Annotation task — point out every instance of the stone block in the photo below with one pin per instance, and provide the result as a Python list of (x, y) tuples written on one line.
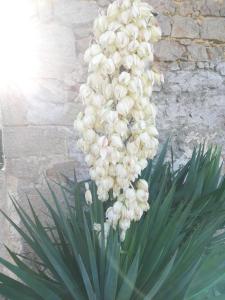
[(26, 169), (174, 66), (222, 10), (82, 44), (213, 29), (169, 50), (202, 81), (187, 65), (185, 42), (47, 90), (185, 27), (45, 113), (14, 107), (197, 52), (165, 24), (72, 12), (221, 68), (185, 8), (162, 6), (80, 31), (201, 65), (194, 82), (216, 53), (49, 102), (34, 141), (189, 119), (56, 51), (210, 7), (64, 168)]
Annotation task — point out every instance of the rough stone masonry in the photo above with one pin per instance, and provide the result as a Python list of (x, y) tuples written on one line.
[(38, 135)]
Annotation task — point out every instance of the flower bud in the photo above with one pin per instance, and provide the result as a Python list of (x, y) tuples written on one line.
[(85, 91), (142, 23), (116, 141), (103, 141), (122, 235), (89, 121), (117, 207), (130, 194), (113, 9), (133, 46), (98, 100), (144, 49), (138, 213), (89, 159), (143, 163), (145, 35), (144, 206), (108, 91), (122, 40), (142, 185), (124, 78), (125, 16), (148, 91), (120, 91), (87, 55), (121, 171), (125, 105), (111, 116), (121, 127), (125, 4), (145, 139), (152, 131), (95, 80), (124, 224), (135, 86), (132, 31), (128, 61), (142, 196), (88, 195), (78, 123), (157, 77), (107, 38), (108, 67), (96, 61), (145, 10), (95, 49), (135, 12), (107, 183), (156, 34), (100, 25), (90, 136), (94, 150), (110, 215), (116, 58), (97, 227), (132, 148)]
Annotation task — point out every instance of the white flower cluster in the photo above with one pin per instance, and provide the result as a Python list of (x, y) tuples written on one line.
[(118, 124)]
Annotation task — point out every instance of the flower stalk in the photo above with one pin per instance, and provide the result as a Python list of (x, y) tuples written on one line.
[(117, 127)]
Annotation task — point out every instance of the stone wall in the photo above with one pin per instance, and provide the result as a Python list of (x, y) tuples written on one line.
[(191, 104), (38, 134)]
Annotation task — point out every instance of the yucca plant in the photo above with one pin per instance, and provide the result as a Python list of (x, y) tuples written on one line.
[(175, 252)]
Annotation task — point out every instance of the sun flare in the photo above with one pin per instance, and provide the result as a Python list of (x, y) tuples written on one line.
[(18, 40)]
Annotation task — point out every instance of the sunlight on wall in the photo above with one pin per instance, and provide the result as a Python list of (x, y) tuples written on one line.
[(18, 40)]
